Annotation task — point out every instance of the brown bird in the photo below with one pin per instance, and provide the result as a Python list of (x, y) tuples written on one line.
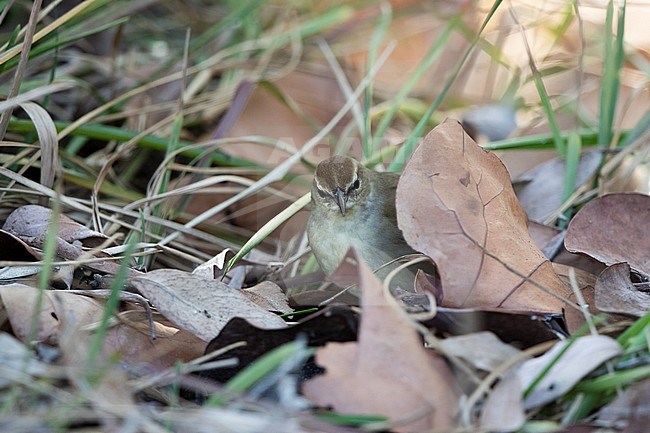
[(355, 206)]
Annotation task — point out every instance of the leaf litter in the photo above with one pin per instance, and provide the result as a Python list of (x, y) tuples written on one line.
[(374, 364), (493, 289)]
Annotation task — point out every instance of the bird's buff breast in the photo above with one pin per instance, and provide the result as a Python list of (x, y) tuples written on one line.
[(333, 237)]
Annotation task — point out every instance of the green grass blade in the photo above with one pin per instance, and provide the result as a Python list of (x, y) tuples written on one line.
[(432, 54), (377, 38), (97, 342), (610, 381), (628, 337), (612, 64), (267, 228), (108, 133), (45, 274), (404, 152), (574, 148)]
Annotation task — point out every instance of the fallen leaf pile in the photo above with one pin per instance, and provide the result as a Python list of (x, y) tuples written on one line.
[(487, 349)]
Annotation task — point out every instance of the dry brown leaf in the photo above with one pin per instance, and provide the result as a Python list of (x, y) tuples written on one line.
[(110, 392), (388, 372), (613, 229), (134, 343), (20, 302), (540, 189), (269, 296), (31, 222), (630, 409), (200, 305), (615, 293), (455, 203)]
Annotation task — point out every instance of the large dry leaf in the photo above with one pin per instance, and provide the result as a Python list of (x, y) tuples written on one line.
[(388, 372), (200, 305), (455, 203), (613, 229)]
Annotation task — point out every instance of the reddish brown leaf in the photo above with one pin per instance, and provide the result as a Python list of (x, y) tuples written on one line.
[(613, 229), (388, 372), (455, 203)]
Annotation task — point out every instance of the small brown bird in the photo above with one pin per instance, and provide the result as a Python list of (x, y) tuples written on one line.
[(355, 206)]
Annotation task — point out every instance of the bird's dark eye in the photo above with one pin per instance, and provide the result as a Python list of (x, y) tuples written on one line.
[(355, 185), (321, 193)]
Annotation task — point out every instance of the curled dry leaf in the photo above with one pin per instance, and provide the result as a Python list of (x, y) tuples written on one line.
[(388, 372), (539, 190), (455, 203), (615, 293), (12, 248), (613, 229), (505, 405), (200, 305), (584, 355), (30, 223)]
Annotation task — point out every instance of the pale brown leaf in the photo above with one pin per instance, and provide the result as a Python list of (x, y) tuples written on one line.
[(388, 372), (132, 339), (455, 203), (269, 296)]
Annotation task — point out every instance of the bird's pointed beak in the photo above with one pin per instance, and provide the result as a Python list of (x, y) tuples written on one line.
[(339, 195)]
